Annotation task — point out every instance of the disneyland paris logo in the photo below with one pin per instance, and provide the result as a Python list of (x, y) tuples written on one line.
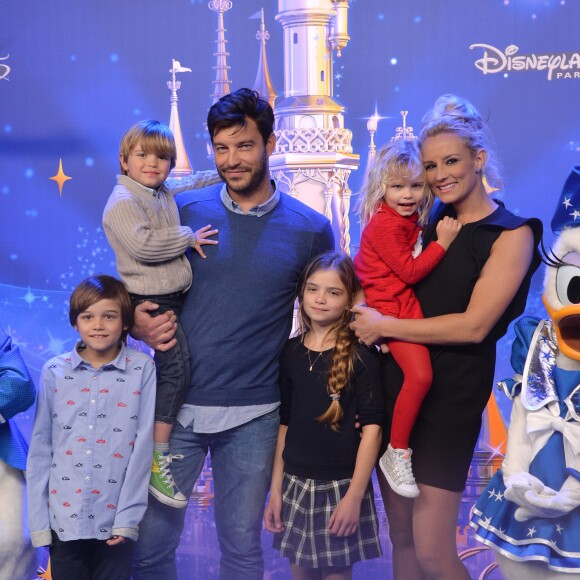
[(565, 65)]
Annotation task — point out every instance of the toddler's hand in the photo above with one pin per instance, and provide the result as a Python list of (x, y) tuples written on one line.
[(447, 230), (200, 239), (115, 540)]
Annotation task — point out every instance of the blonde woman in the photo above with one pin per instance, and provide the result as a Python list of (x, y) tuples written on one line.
[(468, 301)]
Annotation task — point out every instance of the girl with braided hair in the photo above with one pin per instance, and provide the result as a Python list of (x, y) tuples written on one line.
[(321, 506)]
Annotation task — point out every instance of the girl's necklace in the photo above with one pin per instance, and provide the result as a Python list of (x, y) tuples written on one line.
[(310, 361)]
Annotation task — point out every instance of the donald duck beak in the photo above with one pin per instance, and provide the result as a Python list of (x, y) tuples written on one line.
[(562, 281), (567, 326)]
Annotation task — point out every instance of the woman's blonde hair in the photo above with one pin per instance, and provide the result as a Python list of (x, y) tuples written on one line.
[(396, 159), (344, 351), (453, 114)]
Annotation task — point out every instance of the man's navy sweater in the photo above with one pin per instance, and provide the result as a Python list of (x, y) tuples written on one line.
[(238, 312)]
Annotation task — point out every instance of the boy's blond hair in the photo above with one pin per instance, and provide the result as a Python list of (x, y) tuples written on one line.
[(154, 137)]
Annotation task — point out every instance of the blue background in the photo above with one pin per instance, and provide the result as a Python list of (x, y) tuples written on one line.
[(82, 72), (75, 75)]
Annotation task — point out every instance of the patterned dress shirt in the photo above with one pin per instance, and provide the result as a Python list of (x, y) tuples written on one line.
[(91, 448)]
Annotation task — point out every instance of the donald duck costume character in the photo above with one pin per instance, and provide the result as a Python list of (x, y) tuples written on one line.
[(529, 512)]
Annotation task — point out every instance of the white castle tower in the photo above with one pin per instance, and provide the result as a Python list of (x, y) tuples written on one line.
[(263, 83), (182, 165), (313, 156), (222, 82)]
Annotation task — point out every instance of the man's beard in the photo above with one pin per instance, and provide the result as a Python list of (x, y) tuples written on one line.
[(256, 178)]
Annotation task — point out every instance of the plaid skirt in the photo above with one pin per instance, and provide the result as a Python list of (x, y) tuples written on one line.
[(307, 505)]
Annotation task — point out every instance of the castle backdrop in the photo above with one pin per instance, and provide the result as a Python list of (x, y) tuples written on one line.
[(75, 75)]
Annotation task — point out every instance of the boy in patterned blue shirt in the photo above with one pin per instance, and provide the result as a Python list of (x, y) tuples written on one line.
[(92, 441)]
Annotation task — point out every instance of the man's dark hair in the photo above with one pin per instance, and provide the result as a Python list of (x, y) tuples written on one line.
[(234, 109)]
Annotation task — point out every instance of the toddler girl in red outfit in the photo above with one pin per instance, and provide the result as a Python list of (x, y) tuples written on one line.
[(394, 201)]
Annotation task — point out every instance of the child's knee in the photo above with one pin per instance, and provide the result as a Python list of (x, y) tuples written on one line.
[(421, 377)]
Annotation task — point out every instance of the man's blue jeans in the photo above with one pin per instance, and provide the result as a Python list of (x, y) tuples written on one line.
[(241, 460)]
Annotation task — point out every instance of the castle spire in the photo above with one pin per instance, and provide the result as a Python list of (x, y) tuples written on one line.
[(221, 83), (263, 83), (182, 165), (404, 132)]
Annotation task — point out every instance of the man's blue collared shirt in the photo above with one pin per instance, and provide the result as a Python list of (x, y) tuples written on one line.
[(258, 210)]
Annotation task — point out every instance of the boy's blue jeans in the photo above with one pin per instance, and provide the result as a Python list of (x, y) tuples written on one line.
[(171, 366), (241, 461)]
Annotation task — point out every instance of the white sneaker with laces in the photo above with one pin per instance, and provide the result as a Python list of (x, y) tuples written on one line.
[(398, 470)]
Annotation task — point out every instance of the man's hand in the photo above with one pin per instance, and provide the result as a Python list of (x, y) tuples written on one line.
[(155, 331), (115, 540)]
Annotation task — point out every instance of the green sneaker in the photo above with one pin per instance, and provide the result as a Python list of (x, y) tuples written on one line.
[(161, 484)]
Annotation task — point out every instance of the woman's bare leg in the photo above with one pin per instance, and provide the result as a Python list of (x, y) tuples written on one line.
[(400, 514), (434, 528)]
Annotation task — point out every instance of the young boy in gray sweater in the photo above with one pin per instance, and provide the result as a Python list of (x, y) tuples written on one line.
[(141, 222)]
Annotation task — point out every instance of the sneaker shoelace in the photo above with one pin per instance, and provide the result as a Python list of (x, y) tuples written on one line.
[(164, 470), (404, 470)]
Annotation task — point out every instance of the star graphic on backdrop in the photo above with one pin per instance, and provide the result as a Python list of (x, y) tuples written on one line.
[(531, 532), (56, 345), (495, 451), (60, 177), (29, 297), (567, 203)]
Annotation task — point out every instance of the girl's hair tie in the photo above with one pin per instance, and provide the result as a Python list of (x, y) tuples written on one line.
[(335, 396)]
